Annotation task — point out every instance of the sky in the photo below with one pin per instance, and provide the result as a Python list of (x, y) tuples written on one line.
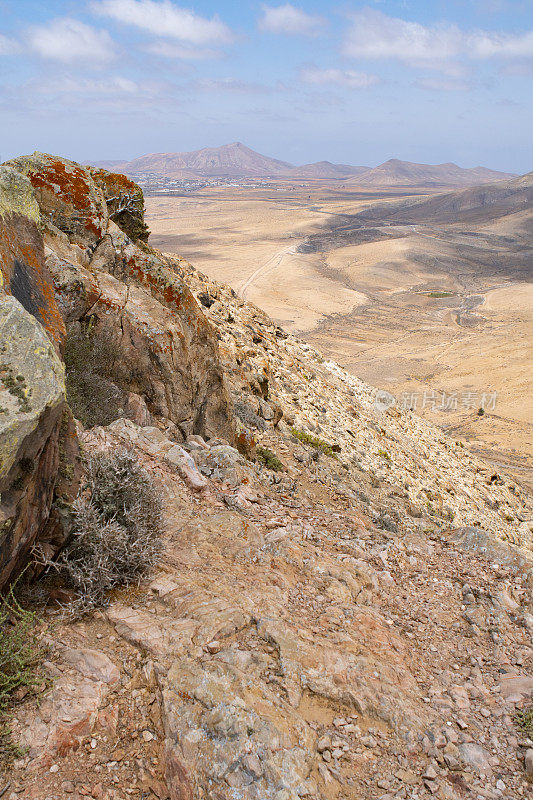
[(348, 82)]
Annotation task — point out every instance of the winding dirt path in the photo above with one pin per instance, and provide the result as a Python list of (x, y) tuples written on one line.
[(269, 265)]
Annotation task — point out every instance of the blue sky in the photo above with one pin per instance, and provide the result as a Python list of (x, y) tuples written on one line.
[(349, 82)]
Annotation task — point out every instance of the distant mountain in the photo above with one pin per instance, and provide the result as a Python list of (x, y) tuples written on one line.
[(106, 164), (325, 169), (479, 204), (406, 173), (238, 161), (230, 160)]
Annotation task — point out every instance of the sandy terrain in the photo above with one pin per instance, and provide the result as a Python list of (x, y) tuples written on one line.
[(377, 307)]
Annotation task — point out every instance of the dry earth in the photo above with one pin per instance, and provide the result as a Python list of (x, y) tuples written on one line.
[(368, 304)]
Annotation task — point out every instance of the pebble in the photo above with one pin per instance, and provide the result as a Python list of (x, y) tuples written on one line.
[(528, 763)]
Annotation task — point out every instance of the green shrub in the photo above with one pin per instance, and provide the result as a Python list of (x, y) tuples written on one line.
[(314, 441), (269, 459), (117, 528), (524, 721)]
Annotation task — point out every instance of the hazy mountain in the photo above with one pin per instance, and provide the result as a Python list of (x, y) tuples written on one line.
[(325, 169), (108, 164), (406, 173), (236, 160), (227, 161)]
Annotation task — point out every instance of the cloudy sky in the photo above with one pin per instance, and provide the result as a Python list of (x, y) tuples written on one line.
[(358, 83)]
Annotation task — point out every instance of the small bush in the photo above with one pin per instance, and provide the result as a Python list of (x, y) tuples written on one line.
[(117, 528), (90, 358), (246, 414), (269, 459), (21, 655), (480, 411), (314, 441), (524, 721)]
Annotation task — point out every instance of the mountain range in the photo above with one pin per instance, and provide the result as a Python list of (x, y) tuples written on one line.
[(238, 161)]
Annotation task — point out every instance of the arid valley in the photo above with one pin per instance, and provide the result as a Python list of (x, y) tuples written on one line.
[(437, 312)]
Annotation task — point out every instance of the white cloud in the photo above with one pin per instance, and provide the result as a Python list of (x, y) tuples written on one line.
[(185, 52), (374, 35), (7, 46), (233, 85), (443, 85), (163, 18), (289, 19), (348, 78), (68, 40)]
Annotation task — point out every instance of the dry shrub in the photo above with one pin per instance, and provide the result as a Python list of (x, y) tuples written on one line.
[(91, 356), (117, 528)]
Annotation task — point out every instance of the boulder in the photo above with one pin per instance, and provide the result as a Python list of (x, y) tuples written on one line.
[(68, 197), (32, 402)]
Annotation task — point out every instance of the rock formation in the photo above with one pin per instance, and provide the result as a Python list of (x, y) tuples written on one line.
[(345, 605)]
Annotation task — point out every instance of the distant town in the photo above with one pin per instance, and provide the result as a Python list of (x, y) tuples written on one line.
[(153, 185)]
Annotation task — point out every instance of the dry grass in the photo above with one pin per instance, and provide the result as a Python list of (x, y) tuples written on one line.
[(21, 655)]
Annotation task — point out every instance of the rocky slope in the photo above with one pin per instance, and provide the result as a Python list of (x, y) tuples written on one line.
[(355, 625)]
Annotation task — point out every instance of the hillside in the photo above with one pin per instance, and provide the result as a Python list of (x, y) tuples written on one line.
[(344, 606), (480, 204), (406, 173)]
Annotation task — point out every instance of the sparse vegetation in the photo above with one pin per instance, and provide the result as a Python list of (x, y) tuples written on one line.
[(247, 415), (21, 655), (384, 454), (523, 720), (117, 528), (90, 356), (314, 441), (438, 295), (480, 412), (269, 459)]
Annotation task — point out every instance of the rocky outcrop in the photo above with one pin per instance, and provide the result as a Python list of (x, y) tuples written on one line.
[(32, 395), (139, 335), (33, 416), (78, 283)]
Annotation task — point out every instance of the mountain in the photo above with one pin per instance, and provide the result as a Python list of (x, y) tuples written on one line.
[(325, 169), (235, 160), (105, 164), (477, 204), (230, 160), (407, 173)]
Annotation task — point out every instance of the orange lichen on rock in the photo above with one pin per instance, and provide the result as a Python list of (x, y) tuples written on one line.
[(67, 195), (25, 275)]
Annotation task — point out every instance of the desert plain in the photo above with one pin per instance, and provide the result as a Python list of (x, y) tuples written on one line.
[(438, 313)]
